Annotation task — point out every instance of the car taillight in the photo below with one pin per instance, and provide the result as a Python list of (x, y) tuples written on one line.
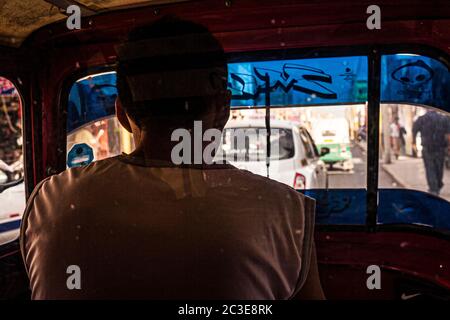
[(299, 181), (14, 215)]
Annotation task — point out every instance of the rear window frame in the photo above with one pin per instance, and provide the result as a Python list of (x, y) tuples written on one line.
[(373, 52), (263, 159)]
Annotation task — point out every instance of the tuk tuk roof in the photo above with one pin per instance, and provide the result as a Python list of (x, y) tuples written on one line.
[(19, 19)]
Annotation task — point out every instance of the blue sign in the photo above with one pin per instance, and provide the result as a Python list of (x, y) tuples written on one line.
[(317, 81), (408, 78), (79, 155), (91, 99)]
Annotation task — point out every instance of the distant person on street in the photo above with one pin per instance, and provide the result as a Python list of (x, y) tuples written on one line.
[(434, 130), (395, 137), (402, 140)]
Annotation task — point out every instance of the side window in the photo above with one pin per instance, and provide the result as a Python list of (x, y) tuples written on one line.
[(313, 145), (307, 144), (414, 168), (91, 121), (12, 188), (301, 146)]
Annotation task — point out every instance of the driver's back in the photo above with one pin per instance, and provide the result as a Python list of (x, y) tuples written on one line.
[(156, 232)]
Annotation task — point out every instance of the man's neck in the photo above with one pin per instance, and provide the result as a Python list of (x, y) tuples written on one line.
[(154, 146)]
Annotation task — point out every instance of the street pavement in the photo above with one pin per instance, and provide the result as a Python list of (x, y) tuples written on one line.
[(409, 173), (357, 178), (406, 172)]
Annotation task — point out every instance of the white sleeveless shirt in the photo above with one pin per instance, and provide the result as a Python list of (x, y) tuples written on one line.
[(145, 231)]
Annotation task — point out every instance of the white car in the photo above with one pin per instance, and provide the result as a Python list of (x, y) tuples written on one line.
[(12, 205), (294, 158)]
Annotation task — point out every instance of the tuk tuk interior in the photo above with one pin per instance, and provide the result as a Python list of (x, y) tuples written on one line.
[(405, 231)]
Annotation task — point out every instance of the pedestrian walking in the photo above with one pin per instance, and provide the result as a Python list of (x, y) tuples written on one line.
[(395, 137), (434, 130)]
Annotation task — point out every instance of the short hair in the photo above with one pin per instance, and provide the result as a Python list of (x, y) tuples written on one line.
[(159, 62)]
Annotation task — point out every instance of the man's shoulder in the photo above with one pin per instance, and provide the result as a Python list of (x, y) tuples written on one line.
[(78, 175)]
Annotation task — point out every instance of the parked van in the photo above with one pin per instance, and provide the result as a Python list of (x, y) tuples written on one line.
[(335, 135)]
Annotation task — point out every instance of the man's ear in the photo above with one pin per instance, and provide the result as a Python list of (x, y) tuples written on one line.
[(223, 109), (227, 97), (122, 116)]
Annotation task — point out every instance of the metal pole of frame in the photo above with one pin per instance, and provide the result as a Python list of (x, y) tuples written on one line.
[(373, 128), (267, 118)]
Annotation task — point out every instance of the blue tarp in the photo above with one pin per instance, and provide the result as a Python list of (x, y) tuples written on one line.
[(319, 81), (415, 79), (91, 99)]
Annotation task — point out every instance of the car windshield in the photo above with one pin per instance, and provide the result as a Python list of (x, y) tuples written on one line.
[(249, 144), (328, 133)]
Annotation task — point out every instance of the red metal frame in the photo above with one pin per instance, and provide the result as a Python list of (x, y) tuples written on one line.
[(404, 253)]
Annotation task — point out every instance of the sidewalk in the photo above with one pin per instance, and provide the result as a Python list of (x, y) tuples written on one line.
[(361, 144), (409, 173)]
